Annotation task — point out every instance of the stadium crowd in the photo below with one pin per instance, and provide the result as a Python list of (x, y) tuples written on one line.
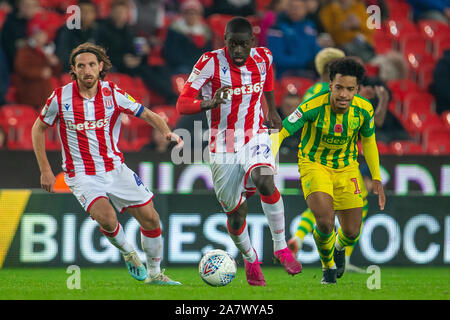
[(153, 45)]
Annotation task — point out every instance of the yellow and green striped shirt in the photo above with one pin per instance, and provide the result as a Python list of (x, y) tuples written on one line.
[(315, 89), (327, 137)]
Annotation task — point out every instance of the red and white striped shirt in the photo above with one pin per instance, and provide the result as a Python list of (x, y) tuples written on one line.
[(89, 129), (234, 123)]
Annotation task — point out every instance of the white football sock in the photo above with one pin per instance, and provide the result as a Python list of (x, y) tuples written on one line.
[(273, 208), (118, 239), (152, 245), (242, 241)]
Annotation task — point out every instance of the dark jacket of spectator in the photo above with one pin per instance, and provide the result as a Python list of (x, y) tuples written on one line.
[(293, 44), (14, 30), (441, 83)]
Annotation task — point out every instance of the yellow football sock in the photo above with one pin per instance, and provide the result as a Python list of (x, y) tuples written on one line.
[(325, 247), (306, 224)]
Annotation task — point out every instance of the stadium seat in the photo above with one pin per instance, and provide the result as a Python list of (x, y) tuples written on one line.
[(425, 75), (296, 84), (417, 62), (414, 43), (432, 28), (417, 123), (139, 91), (420, 102), (372, 70), (402, 87), (383, 148), (399, 10), (217, 22), (397, 29), (178, 81), (405, 147), (436, 140), (168, 111), (123, 81), (134, 135), (18, 113), (383, 43), (18, 135), (52, 142)]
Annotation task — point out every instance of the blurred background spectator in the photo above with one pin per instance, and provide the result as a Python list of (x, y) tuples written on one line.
[(4, 77), (34, 66), (232, 7), (391, 66), (14, 30), (188, 37), (406, 60), (431, 9), (129, 54), (345, 21), (293, 41), (68, 39), (269, 18), (441, 83)]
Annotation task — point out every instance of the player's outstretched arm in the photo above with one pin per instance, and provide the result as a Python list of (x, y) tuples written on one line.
[(38, 139), (156, 121)]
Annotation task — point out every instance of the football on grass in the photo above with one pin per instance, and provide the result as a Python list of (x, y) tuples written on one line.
[(217, 268)]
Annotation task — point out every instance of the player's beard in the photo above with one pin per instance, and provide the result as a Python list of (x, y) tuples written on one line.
[(89, 82)]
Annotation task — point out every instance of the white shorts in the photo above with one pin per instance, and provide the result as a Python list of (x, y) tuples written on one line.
[(121, 186), (231, 171)]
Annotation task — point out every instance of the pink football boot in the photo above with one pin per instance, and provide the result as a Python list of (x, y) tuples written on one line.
[(285, 257), (254, 274)]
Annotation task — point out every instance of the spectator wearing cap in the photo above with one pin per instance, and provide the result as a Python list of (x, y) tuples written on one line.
[(34, 65), (187, 38), (293, 41)]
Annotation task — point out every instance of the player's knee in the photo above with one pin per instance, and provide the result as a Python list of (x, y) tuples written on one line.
[(235, 221), (263, 181), (325, 224), (351, 233)]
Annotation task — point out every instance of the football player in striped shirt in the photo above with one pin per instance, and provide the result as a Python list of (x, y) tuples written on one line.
[(88, 114), (332, 121), (231, 82), (307, 222)]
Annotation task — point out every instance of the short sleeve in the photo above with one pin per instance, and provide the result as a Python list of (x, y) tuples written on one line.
[(50, 112), (368, 125), (126, 103)]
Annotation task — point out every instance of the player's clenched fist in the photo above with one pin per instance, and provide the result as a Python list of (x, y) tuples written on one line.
[(221, 96)]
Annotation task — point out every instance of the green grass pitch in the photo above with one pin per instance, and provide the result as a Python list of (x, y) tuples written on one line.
[(115, 284)]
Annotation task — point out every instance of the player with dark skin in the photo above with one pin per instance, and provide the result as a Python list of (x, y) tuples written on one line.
[(239, 45)]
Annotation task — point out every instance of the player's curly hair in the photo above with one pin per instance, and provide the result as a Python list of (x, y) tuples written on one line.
[(99, 52), (347, 67)]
